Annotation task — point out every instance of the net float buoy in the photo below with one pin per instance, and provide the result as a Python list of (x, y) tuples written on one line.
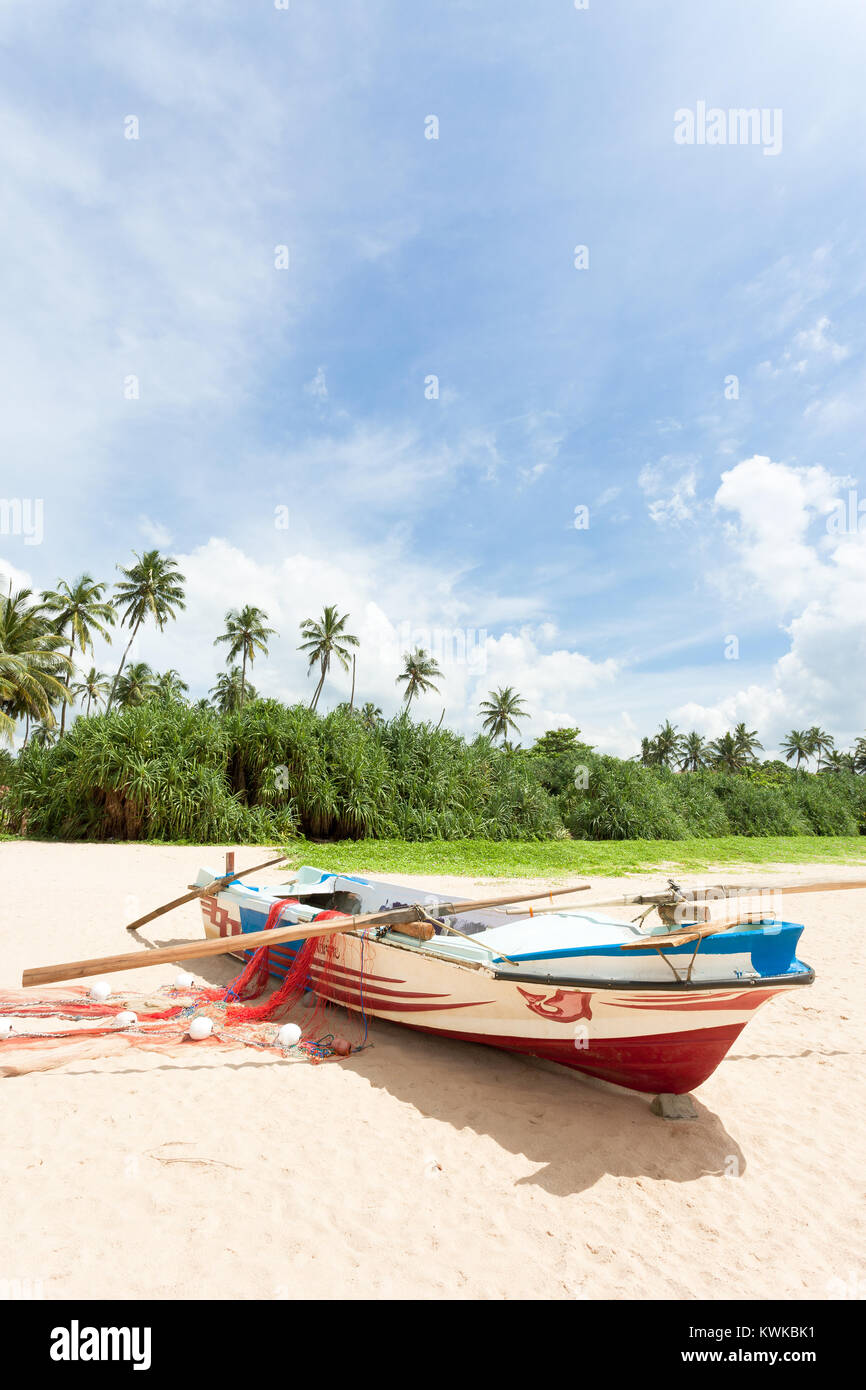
[(289, 1035), (342, 1047), (183, 981), (5, 1027), (201, 1027), (100, 990), (126, 1019)]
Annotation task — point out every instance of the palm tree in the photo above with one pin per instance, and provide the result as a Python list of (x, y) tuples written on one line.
[(746, 741), (837, 761), (370, 716), (135, 685), (798, 743), (858, 755), (324, 639), (501, 711), (693, 752), (151, 586), (246, 634), (229, 693), (668, 744), (726, 754), (33, 670), (44, 733), (169, 685), (649, 753), (418, 672), (94, 685), (821, 742), (78, 613)]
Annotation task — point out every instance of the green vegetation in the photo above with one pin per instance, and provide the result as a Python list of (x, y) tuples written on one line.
[(236, 768), (161, 770), (567, 858)]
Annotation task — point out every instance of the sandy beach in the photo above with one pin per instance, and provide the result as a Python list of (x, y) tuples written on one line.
[(421, 1168)]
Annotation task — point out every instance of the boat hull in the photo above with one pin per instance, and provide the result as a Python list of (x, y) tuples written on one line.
[(651, 1038)]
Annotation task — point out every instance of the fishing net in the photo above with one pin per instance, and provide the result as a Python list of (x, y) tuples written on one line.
[(39, 1041)]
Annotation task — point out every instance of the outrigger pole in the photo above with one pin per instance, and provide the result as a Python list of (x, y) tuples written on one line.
[(298, 931)]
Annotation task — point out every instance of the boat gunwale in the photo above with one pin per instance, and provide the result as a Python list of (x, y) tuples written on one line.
[(800, 977)]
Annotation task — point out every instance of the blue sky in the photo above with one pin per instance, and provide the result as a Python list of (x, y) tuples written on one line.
[(451, 518)]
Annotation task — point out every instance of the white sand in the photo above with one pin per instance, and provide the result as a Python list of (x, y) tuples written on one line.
[(237, 1175)]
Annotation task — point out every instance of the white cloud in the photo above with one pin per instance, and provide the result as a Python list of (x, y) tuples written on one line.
[(154, 532), (670, 487), (392, 606), (10, 574), (817, 340), (785, 558), (318, 387), (774, 505)]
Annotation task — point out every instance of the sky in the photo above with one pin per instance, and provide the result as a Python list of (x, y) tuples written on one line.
[(460, 316)]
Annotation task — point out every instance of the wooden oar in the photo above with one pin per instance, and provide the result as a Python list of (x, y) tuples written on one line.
[(205, 891), (244, 941), (831, 886), (716, 893)]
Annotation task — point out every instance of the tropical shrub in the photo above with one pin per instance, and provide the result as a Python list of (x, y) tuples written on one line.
[(753, 809), (624, 801), (165, 771)]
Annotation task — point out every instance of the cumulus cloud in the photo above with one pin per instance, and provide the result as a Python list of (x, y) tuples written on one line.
[(392, 609), (784, 557)]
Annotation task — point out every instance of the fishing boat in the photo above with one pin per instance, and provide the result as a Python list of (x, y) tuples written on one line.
[(654, 1009)]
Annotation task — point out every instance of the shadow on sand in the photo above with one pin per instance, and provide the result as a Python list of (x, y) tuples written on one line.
[(577, 1129)]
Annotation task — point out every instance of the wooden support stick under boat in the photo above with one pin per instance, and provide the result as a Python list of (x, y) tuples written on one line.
[(246, 941), (206, 890)]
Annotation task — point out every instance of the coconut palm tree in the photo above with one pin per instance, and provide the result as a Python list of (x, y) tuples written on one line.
[(837, 761), (858, 755), (94, 685), (168, 685), (668, 744), (418, 672), (136, 684), (694, 752), (230, 692), (726, 754), (821, 742), (370, 715), (501, 712), (797, 743), (44, 733), (78, 612), (324, 639), (33, 669), (746, 741), (246, 634), (649, 753), (151, 588)]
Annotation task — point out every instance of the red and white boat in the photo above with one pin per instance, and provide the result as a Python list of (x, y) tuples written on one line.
[(606, 997)]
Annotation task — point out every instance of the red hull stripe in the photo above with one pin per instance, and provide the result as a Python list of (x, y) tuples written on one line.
[(748, 999), (356, 974), (674, 1062), (354, 1000), (371, 990)]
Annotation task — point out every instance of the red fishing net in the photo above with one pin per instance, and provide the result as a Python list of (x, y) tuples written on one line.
[(163, 1016)]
